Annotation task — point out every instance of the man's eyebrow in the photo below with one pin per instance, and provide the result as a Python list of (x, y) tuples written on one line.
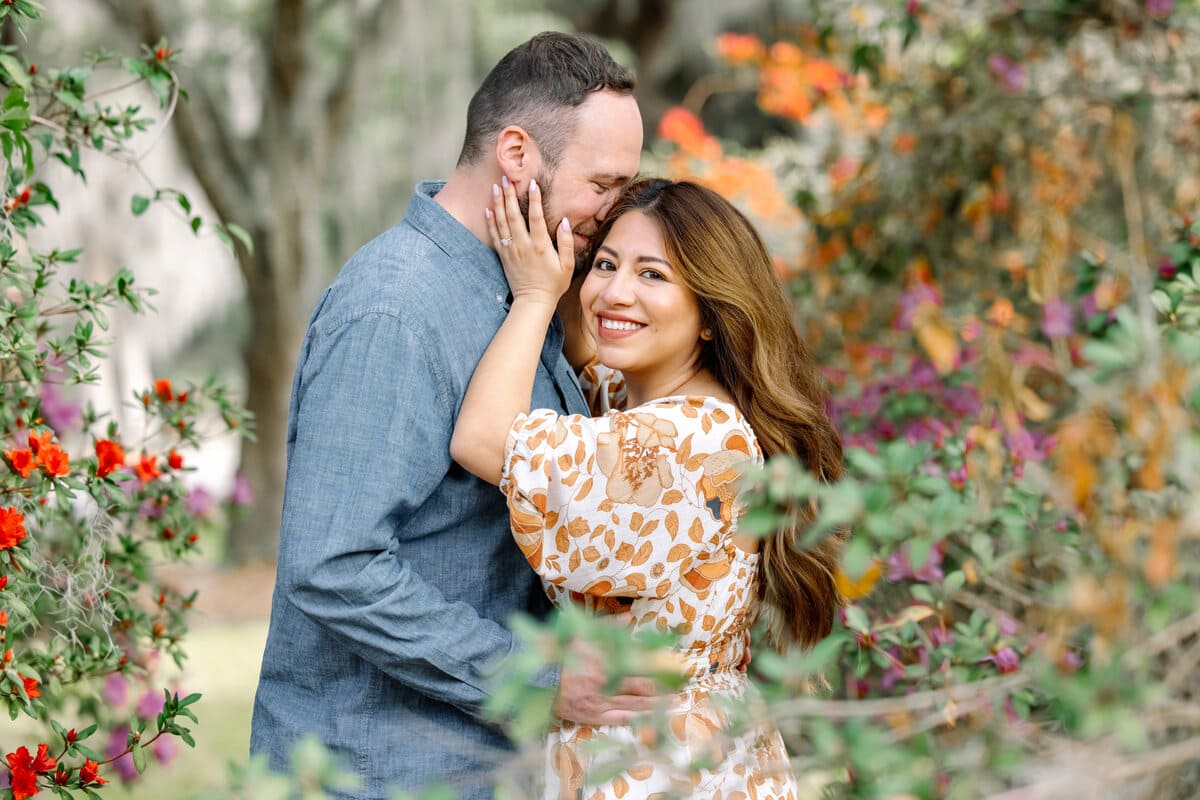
[(612, 177)]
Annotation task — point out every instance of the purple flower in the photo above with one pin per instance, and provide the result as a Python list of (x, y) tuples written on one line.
[(894, 673), (150, 508), (117, 742), (899, 567), (913, 298), (198, 502), (1160, 8), (116, 691), (1005, 659), (59, 412), (941, 636), (1058, 319), (1007, 625), (242, 493), (165, 749), (1010, 73), (1071, 662), (151, 704)]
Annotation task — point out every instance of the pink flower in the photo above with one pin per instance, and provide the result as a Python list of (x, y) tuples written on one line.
[(917, 295), (117, 741), (1005, 659), (151, 704), (1007, 625), (116, 691), (1058, 319), (1010, 73), (1160, 8), (198, 502), (165, 749), (242, 493), (1166, 269)]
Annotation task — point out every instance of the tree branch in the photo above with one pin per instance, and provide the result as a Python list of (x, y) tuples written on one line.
[(221, 174), (368, 38)]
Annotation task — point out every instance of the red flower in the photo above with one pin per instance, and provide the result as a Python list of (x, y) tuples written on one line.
[(163, 53), (162, 388), (61, 777), (31, 689), (89, 773), (109, 456), (53, 459), (182, 397), (3, 618), (21, 461), (12, 527), (3, 582), (147, 468), (175, 460), (21, 774), (39, 440), (43, 762)]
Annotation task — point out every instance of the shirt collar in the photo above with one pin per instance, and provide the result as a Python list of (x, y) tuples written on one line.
[(450, 235)]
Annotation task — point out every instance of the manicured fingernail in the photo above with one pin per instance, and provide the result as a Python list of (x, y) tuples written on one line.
[(533, 187), (565, 225), (495, 190), (504, 181), (487, 212)]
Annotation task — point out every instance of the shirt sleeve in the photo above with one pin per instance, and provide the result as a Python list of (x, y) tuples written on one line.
[(629, 503), (370, 435)]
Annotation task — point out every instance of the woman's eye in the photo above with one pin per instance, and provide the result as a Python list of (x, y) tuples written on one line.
[(603, 264), (653, 274)]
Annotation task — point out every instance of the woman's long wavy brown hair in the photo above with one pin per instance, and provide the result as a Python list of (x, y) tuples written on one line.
[(758, 356)]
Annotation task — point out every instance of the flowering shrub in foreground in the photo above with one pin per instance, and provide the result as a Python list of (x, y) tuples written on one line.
[(1001, 277), (87, 509)]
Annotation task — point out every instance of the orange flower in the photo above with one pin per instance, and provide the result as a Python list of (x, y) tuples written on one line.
[(686, 130), (31, 687), (162, 388), (856, 588), (174, 460), (740, 48), (54, 461), (109, 456), (89, 773), (12, 527), (3, 618), (147, 468), (21, 461)]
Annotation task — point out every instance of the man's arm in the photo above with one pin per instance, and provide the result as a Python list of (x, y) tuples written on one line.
[(370, 447)]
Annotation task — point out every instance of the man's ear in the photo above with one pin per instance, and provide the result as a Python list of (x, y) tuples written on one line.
[(516, 154)]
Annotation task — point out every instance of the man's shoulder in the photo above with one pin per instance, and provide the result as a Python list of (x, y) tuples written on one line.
[(400, 273)]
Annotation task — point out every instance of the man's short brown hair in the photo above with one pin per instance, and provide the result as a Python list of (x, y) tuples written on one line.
[(538, 85)]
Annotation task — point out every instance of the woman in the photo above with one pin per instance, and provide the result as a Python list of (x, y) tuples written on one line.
[(638, 508)]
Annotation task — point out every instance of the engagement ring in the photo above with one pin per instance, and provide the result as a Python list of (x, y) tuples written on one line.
[(505, 242)]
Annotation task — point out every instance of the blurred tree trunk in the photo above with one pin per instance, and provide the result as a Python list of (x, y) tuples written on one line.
[(270, 183)]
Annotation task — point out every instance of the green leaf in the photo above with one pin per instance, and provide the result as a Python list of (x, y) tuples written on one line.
[(856, 619), (857, 557), (19, 75), (139, 204), (139, 758), (242, 235)]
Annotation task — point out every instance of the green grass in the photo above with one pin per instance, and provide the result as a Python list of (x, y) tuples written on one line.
[(222, 665)]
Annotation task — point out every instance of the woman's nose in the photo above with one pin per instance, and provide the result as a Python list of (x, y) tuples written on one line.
[(617, 289)]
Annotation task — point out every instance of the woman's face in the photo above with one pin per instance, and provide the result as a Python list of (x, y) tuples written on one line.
[(645, 321)]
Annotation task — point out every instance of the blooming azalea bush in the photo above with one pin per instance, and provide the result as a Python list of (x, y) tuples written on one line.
[(88, 509), (987, 217), (999, 273)]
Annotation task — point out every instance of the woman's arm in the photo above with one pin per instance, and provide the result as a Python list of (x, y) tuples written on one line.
[(502, 383)]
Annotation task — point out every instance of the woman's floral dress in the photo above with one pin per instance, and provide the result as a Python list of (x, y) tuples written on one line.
[(636, 510)]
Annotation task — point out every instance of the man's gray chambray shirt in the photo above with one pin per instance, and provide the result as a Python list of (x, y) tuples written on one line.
[(397, 570)]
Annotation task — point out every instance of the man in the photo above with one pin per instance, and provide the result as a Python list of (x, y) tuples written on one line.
[(396, 568)]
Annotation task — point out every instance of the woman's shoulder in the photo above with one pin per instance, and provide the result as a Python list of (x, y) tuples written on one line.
[(712, 423)]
